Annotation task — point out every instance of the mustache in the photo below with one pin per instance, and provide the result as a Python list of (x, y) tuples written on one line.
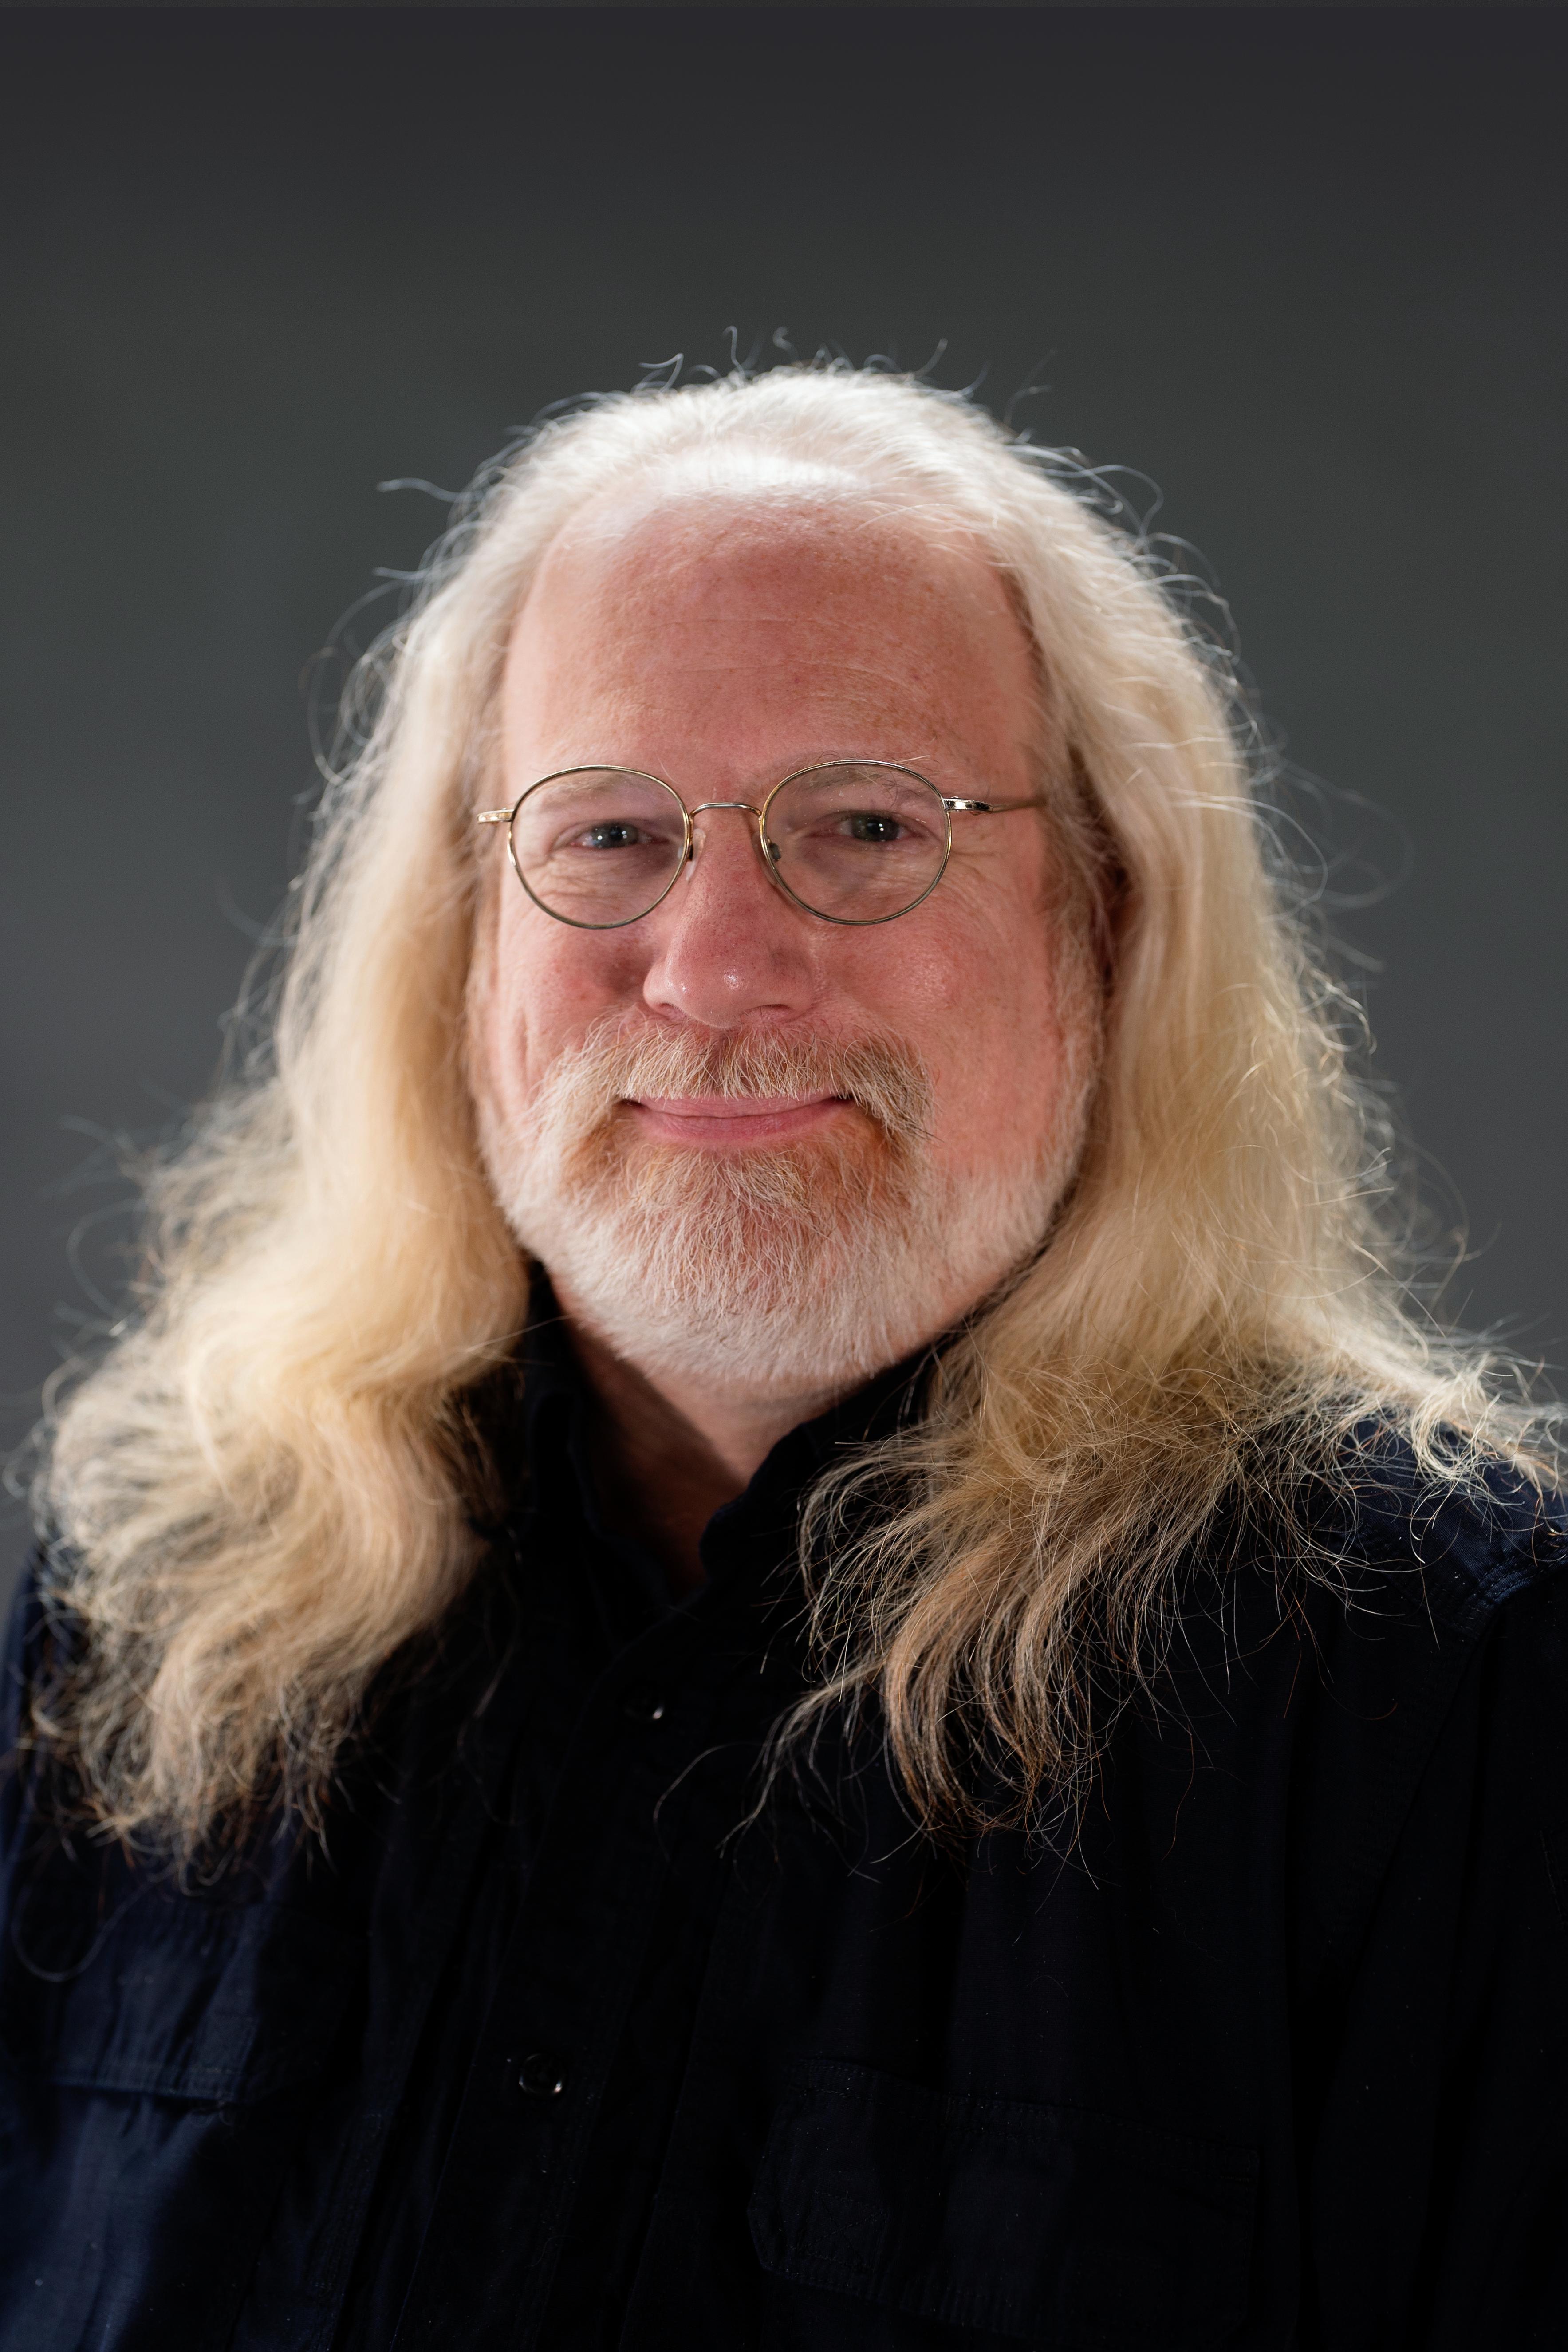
[(620, 1061)]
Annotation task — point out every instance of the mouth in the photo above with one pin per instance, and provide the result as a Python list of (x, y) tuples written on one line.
[(733, 1122)]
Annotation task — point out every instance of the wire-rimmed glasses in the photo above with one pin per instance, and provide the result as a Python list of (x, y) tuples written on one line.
[(852, 841)]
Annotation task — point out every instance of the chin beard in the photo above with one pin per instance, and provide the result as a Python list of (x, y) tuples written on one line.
[(806, 1266)]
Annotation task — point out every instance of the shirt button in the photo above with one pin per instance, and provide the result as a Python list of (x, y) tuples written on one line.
[(540, 2077), (642, 1704)]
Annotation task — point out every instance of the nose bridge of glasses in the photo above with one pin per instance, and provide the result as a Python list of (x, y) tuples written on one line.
[(701, 810)]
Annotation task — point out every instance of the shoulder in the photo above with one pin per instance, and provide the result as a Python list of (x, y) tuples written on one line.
[(1429, 1762), (1447, 1539), (28, 1639), (1375, 1594), (1406, 1628), (1458, 1546)]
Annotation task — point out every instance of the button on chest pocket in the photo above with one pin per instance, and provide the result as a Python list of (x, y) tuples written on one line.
[(1047, 2226)]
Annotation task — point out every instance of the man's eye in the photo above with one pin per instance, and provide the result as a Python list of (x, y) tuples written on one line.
[(615, 832), (867, 826)]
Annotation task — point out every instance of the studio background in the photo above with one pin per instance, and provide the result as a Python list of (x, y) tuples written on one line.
[(1301, 270)]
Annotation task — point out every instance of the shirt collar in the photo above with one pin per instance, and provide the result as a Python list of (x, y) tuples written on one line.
[(758, 1527)]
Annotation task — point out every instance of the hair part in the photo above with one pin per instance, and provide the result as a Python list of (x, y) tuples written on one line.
[(265, 1490)]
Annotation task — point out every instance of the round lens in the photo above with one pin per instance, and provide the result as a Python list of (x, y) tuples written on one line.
[(858, 843), (598, 846)]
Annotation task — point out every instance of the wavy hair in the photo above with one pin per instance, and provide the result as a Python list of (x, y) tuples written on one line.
[(266, 1489)]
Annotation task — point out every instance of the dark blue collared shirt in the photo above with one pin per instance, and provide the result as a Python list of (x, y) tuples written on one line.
[(564, 2042)]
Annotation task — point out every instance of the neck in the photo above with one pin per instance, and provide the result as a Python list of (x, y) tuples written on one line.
[(670, 1452)]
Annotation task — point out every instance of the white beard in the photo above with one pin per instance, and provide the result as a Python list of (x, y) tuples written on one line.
[(806, 1266)]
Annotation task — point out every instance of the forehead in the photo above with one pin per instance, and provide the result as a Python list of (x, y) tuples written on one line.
[(682, 603)]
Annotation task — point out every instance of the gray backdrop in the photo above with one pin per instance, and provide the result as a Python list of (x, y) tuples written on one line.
[(1301, 270)]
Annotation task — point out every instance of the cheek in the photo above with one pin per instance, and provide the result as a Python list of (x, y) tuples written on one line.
[(547, 985), (980, 997)]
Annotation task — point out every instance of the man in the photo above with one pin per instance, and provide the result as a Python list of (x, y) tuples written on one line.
[(771, 1634)]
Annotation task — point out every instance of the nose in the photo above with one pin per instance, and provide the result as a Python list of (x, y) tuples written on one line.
[(727, 944)]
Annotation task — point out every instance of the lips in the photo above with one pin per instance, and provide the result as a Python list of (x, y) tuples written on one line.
[(733, 1120)]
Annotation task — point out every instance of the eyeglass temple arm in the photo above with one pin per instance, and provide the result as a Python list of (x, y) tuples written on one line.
[(995, 808), (492, 817)]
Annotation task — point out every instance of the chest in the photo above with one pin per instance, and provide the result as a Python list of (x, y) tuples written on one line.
[(636, 2056)]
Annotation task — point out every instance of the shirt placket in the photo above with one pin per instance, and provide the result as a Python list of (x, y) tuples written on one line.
[(560, 2000)]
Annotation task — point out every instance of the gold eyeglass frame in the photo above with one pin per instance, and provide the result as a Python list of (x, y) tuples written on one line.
[(951, 804)]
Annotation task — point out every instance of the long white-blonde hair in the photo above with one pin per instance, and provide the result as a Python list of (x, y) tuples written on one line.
[(264, 1488)]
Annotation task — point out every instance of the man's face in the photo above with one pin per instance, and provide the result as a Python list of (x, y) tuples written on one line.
[(743, 1139)]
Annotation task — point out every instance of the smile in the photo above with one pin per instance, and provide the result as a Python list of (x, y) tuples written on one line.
[(733, 1122)]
